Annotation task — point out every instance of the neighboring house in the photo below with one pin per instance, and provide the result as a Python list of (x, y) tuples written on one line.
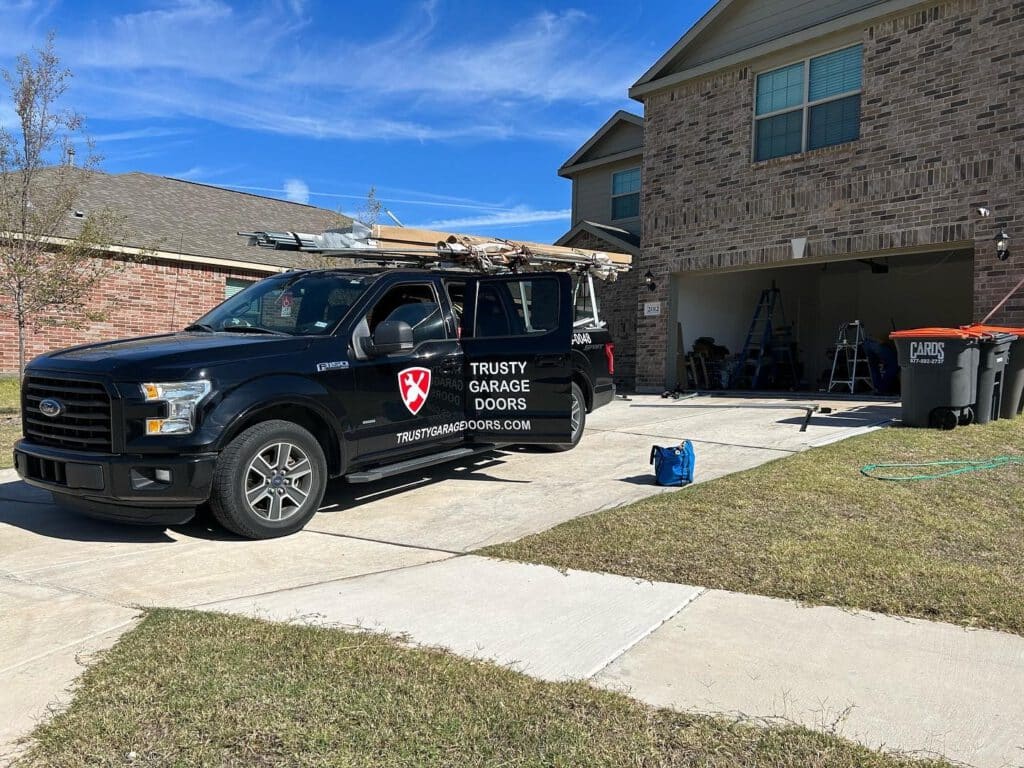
[(606, 187), (838, 150), (190, 256)]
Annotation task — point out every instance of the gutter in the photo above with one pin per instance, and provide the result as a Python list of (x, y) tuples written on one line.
[(168, 256)]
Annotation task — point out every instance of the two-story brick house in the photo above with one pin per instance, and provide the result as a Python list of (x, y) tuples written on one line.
[(606, 185), (839, 150)]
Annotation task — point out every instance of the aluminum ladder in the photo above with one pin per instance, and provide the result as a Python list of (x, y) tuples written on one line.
[(768, 343), (850, 346)]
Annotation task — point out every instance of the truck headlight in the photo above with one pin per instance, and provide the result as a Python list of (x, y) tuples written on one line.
[(182, 398)]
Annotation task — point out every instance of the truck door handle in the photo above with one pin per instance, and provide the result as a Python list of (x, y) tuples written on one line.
[(550, 361), (450, 367)]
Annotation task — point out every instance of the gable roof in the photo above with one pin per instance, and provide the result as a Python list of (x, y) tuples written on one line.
[(657, 69), (620, 239), (620, 118), (735, 31), (177, 217)]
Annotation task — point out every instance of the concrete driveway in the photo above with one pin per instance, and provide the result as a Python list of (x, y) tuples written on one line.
[(70, 586)]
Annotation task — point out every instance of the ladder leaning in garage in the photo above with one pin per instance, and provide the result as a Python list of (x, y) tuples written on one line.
[(767, 356)]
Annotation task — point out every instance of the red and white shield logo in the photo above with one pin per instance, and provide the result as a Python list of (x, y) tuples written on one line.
[(414, 384)]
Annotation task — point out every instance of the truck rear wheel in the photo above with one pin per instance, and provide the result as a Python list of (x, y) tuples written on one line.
[(269, 481)]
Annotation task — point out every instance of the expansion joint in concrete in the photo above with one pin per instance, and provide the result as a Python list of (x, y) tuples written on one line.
[(629, 646)]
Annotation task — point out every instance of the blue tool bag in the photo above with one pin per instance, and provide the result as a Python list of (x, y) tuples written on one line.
[(673, 466)]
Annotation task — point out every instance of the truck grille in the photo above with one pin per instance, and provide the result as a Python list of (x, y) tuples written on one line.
[(84, 422)]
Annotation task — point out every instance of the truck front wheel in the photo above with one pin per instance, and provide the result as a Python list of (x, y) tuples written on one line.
[(269, 480)]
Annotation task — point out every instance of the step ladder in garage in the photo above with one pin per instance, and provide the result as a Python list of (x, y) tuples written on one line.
[(768, 356), (850, 365)]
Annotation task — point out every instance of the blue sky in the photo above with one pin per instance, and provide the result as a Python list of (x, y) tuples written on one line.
[(458, 113)]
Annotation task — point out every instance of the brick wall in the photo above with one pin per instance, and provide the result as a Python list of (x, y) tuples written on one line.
[(942, 132), (143, 298)]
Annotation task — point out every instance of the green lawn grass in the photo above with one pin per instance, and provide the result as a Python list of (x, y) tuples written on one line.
[(10, 421), (811, 528), (189, 689)]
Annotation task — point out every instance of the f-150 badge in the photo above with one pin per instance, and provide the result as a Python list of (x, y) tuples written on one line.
[(414, 384)]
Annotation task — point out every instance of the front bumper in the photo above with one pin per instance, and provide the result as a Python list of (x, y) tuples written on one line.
[(118, 487)]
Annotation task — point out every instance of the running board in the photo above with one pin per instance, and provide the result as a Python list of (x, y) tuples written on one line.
[(390, 470)]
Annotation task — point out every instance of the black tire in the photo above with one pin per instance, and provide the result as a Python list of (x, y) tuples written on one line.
[(290, 493), (966, 417), (944, 418), (579, 405)]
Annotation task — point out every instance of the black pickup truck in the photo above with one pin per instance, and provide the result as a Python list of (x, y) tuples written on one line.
[(307, 376)]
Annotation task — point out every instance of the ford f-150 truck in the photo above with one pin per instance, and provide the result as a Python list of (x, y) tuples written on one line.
[(307, 376)]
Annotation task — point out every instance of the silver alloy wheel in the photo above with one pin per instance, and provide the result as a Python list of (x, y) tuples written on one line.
[(576, 415), (278, 481)]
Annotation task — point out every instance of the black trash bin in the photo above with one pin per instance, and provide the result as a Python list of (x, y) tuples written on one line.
[(1013, 375), (939, 370), (994, 354)]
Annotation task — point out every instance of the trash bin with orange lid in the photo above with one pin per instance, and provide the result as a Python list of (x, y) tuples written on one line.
[(939, 375), (1010, 389)]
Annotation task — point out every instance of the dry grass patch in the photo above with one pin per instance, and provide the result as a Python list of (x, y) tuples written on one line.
[(10, 419), (812, 528), (187, 689)]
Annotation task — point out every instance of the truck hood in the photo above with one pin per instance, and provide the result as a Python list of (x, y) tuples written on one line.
[(171, 354)]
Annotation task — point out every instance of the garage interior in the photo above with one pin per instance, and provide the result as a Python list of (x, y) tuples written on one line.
[(814, 300)]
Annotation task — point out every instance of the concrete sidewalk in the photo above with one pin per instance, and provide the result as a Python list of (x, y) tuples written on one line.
[(887, 682), (70, 585)]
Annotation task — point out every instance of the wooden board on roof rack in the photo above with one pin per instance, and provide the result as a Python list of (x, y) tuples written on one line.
[(393, 245), (389, 236)]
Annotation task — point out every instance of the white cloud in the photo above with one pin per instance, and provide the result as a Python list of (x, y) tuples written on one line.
[(134, 135), (203, 38), (409, 197), (517, 216), (266, 66), (297, 191)]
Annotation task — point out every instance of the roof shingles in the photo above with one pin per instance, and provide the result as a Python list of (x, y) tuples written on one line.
[(183, 217)]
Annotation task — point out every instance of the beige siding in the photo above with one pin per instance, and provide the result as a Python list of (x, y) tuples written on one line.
[(622, 138), (752, 22), (592, 195)]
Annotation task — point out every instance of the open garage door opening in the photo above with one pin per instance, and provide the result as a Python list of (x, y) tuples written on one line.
[(806, 308)]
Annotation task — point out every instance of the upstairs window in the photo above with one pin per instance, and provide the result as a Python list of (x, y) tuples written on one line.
[(626, 194), (808, 105)]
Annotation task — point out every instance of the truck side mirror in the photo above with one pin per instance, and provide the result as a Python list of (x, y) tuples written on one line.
[(392, 336)]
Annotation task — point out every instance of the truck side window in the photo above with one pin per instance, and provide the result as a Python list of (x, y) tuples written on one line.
[(584, 303), (524, 307), (413, 304)]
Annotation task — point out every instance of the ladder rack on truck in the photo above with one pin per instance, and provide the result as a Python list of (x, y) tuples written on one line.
[(401, 246)]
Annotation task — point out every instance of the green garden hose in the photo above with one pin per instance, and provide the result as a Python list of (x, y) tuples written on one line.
[(954, 468)]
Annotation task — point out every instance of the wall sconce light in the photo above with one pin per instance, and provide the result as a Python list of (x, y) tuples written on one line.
[(1002, 241), (649, 281)]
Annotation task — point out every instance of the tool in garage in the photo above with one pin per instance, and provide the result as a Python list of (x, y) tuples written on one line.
[(853, 369), (767, 357), (690, 366)]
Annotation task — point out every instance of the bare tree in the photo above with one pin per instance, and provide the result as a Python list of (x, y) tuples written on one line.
[(48, 264), (369, 212)]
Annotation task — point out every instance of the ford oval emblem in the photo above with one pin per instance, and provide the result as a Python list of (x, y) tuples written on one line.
[(50, 407)]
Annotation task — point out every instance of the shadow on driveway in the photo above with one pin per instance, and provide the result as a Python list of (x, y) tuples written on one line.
[(342, 495), (33, 510)]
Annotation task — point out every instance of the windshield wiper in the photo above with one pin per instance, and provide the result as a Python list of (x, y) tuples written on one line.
[(252, 329), (201, 327)]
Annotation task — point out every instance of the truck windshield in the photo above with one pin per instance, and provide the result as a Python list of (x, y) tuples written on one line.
[(304, 304)]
